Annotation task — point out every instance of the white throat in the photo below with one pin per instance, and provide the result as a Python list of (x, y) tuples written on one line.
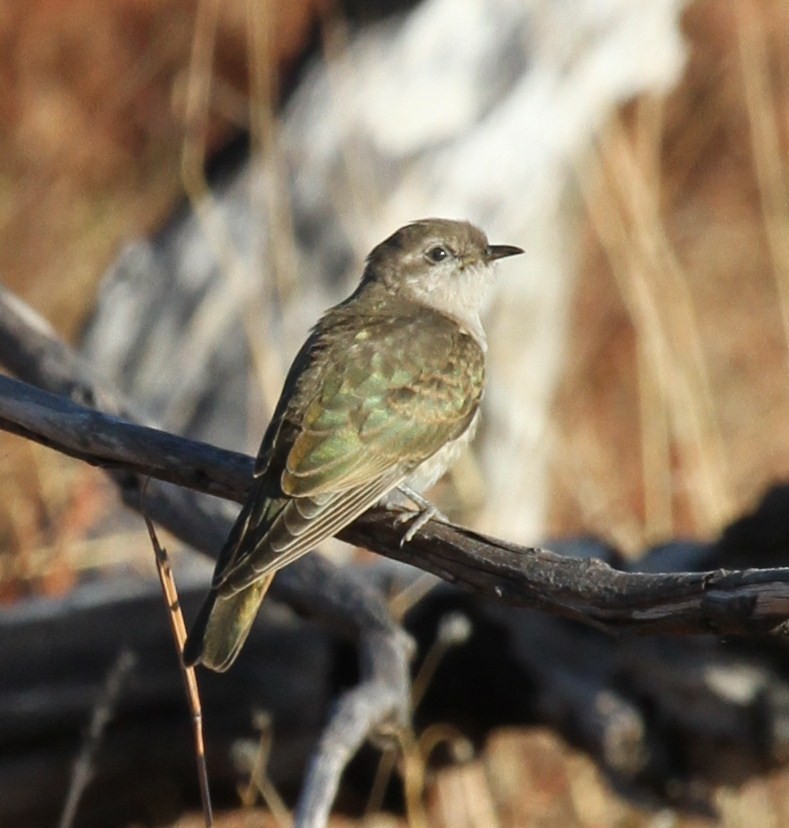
[(461, 295)]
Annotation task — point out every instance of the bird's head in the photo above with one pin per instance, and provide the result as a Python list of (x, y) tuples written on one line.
[(444, 264)]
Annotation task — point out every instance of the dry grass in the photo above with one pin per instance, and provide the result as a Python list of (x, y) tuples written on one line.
[(93, 125), (681, 354)]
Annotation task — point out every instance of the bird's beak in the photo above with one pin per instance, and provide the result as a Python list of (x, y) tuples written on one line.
[(500, 251)]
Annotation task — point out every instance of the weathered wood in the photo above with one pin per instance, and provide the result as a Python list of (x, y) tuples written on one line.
[(652, 710), (745, 602)]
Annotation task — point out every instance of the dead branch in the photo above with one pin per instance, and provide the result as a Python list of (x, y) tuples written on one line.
[(737, 602)]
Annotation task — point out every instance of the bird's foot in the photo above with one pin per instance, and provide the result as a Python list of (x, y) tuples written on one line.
[(416, 520)]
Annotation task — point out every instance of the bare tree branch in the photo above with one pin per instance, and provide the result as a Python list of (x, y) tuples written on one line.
[(737, 602), (112, 443)]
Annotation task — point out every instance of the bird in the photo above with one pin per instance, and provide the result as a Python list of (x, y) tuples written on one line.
[(377, 404)]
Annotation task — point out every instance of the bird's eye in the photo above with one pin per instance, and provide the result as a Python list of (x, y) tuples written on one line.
[(436, 254)]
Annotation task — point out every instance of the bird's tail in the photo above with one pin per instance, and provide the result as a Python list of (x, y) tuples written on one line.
[(223, 624)]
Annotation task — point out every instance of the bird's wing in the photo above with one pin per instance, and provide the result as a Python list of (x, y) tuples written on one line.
[(377, 412)]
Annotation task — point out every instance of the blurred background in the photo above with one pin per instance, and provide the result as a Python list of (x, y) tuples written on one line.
[(184, 186)]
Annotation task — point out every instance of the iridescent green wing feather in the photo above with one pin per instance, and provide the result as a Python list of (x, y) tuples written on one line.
[(392, 399)]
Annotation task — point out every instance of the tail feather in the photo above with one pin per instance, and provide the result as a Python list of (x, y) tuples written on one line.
[(222, 626)]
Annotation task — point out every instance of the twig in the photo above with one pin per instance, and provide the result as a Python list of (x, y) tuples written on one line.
[(103, 711), (259, 780), (178, 629)]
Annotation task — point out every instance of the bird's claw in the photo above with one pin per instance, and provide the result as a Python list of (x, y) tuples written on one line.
[(416, 520)]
